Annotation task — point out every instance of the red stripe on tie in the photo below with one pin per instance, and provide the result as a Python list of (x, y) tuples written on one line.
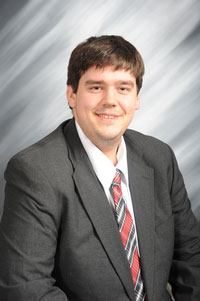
[(126, 228), (135, 266), (116, 194)]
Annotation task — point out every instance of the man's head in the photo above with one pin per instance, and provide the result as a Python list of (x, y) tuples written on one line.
[(104, 79), (101, 52)]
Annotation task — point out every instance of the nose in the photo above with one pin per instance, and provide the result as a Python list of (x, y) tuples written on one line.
[(109, 97)]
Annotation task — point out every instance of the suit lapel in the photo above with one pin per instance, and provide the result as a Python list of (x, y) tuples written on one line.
[(98, 208), (141, 182)]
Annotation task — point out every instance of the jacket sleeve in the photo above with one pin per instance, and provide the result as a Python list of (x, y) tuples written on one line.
[(28, 235), (185, 270)]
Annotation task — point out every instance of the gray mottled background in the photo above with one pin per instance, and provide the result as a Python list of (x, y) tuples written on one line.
[(36, 39)]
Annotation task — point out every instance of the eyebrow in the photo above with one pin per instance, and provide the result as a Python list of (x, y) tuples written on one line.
[(94, 82), (101, 82), (126, 83)]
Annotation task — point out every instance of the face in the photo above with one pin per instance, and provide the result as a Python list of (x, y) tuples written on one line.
[(104, 104)]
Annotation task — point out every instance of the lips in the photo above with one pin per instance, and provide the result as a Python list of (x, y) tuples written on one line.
[(107, 116)]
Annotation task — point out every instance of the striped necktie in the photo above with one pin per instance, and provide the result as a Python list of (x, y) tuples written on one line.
[(128, 235)]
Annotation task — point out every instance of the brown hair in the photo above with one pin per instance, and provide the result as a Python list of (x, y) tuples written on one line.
[(106, 50)]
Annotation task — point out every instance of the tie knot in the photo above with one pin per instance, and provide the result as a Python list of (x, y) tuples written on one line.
[(117, 178), (115, 188)]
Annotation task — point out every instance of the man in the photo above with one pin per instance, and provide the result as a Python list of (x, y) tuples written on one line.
[(95, 211)]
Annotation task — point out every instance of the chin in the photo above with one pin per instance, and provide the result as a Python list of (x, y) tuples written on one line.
[(108, 138)]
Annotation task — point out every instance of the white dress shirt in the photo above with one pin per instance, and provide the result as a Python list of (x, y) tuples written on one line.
[(105, 170)]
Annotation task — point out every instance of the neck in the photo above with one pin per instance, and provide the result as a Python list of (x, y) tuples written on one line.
[(110, 152)]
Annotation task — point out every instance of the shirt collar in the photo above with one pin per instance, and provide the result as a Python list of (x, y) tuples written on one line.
[(102, 166)]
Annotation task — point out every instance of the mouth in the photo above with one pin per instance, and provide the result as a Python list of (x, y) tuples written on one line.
[(104, 116)]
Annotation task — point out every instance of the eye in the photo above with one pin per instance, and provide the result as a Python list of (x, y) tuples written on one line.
[(124, 90), (96, 88)]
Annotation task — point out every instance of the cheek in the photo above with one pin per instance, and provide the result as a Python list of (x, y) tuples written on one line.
[(88, 103), (129, 108), (128, 104), (82, 103), (133, 105)]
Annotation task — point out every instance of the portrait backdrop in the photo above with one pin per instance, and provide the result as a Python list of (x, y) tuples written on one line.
[(36, 39)]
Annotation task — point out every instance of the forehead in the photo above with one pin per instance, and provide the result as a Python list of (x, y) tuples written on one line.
[(108, 73)]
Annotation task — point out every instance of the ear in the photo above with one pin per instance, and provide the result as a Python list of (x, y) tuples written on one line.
[(71, 96), (137, 102)]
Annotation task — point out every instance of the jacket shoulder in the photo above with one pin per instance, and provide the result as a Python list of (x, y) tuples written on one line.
[(150, 151), (49, 156), (49, 143), (145, 143)]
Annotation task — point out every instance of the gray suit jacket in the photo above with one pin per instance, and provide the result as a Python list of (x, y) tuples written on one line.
[(58, 236)]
